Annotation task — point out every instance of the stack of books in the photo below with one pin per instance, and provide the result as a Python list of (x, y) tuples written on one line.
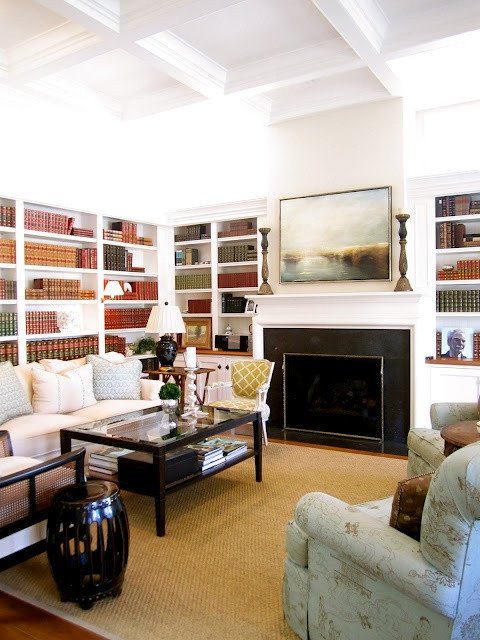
[(207, 455), (230, 448), (105, 460)]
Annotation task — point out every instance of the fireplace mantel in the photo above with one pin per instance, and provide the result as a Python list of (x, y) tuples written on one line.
[(412, 310)]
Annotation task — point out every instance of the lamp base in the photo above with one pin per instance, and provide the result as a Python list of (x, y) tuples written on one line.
[(166, 350)]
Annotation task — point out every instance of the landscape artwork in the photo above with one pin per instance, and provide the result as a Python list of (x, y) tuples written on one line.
[(336, 236)]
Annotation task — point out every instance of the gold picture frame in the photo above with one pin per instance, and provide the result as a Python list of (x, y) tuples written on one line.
[(198, 333)]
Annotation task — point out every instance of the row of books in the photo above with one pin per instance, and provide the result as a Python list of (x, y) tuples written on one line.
[(458, 300), (7, 216), (9, 351), (193, 281), (49, 255), (147, 290), (237, 280), (119, 259), (41, 322), (457, 205), (464, 270), (186, 256), (202, 305), (126, 318), (38, 220), (120, 236), (8, 323), (239, 228), (7, 251), (58, 289), (212, 452), (237, 253), (233, 304), (193, 232), (8, 289)]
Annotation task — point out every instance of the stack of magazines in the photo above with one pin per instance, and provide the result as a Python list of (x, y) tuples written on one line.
[(230, 448), (105, 460), (207, 456)]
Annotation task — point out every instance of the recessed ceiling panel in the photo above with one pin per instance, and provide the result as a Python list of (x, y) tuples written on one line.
[(256, 29), (118, 74), (21, 20)]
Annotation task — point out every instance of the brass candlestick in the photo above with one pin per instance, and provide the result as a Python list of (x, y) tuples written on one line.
[(403, 284), (265, 288)]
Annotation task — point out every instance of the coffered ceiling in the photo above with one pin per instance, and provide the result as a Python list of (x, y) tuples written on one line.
[(285, 57)]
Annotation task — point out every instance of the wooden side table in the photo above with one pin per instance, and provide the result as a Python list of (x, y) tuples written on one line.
[(179, 375), (458, 435)]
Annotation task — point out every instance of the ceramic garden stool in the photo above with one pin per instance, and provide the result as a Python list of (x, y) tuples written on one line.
[(87, 542)]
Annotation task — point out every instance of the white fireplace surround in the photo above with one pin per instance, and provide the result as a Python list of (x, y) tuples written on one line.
[(380, 310)]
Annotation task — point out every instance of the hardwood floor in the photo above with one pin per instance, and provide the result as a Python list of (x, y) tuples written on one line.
[(22, 621)]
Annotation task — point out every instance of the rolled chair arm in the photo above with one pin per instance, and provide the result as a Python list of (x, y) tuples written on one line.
[(210, 388), (76, 457)]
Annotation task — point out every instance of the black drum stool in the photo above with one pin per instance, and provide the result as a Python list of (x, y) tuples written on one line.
[(87, 542)]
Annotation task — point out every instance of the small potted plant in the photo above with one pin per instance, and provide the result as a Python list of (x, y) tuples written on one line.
[(170, 394), (145, 346)]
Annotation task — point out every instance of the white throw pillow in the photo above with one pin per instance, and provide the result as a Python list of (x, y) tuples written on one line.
[(150, 389), (59, 366), (63, 392), (113, 356), (116, 381)]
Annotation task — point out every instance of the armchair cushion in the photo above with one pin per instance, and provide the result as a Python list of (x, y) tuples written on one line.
[(13, 399), (407, 506), (248, 376)]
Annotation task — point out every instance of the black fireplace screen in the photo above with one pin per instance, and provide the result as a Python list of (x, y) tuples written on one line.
[(334, 394)]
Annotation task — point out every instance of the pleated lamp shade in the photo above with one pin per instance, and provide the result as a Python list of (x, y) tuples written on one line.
[(167, 321), (113, 288)]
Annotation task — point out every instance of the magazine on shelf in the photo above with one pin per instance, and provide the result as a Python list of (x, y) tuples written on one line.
[(212, 463), (110, 454), (104, 464), (206, 453), (230, 448)]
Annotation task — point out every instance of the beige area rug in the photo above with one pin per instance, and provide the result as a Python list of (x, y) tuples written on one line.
[(218, 571)]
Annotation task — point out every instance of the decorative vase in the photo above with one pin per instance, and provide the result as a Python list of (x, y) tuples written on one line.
[(169, 408)]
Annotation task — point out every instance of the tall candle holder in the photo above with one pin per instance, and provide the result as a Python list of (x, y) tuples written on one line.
[(265, 288), (403, 283), (191, 408)]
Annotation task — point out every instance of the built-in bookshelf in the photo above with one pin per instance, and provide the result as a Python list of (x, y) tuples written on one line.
[(216, 264), (54, 265)]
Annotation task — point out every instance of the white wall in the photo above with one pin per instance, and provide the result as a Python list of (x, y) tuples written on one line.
[(204, 154), (354, 148)]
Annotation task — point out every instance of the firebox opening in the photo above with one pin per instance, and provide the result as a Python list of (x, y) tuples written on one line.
[(334, 394)]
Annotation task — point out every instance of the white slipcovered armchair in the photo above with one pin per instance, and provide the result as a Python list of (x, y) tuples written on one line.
[(351, 576), (249, 385)]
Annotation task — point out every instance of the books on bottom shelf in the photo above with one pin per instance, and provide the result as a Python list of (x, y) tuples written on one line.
[(207, 456), (105, 460)]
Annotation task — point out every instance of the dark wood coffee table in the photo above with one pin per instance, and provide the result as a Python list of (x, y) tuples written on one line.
[(145, 431), (458, 435)]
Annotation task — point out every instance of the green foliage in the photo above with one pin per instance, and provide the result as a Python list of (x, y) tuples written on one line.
[(169, 391), (144, 345)]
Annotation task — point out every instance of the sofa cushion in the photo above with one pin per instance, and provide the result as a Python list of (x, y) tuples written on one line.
[(407, 506), (24, 374), (116, 380), (62, 392), (12, 464), (13, 398)]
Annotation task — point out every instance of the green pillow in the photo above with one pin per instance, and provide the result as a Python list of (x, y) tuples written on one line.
[(112, 381), (13, 398)]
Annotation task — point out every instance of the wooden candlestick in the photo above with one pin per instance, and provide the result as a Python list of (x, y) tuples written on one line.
[(265, 288), (403, 284)]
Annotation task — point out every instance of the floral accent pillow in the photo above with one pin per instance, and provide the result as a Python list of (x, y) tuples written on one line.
[(407, 506), (115, 381)]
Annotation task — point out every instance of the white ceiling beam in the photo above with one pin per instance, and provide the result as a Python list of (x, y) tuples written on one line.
[(184, 63), (158, 101), (100, 16), (360, 24)]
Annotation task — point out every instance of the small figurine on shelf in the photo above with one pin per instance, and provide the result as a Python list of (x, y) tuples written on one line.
[(228, 330)]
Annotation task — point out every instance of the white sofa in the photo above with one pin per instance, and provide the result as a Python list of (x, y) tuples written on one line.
[(37, 435)]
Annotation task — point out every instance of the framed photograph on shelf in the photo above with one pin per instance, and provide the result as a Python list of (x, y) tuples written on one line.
[(336, 236), (198, 333), (457, 343), (250, 308)]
